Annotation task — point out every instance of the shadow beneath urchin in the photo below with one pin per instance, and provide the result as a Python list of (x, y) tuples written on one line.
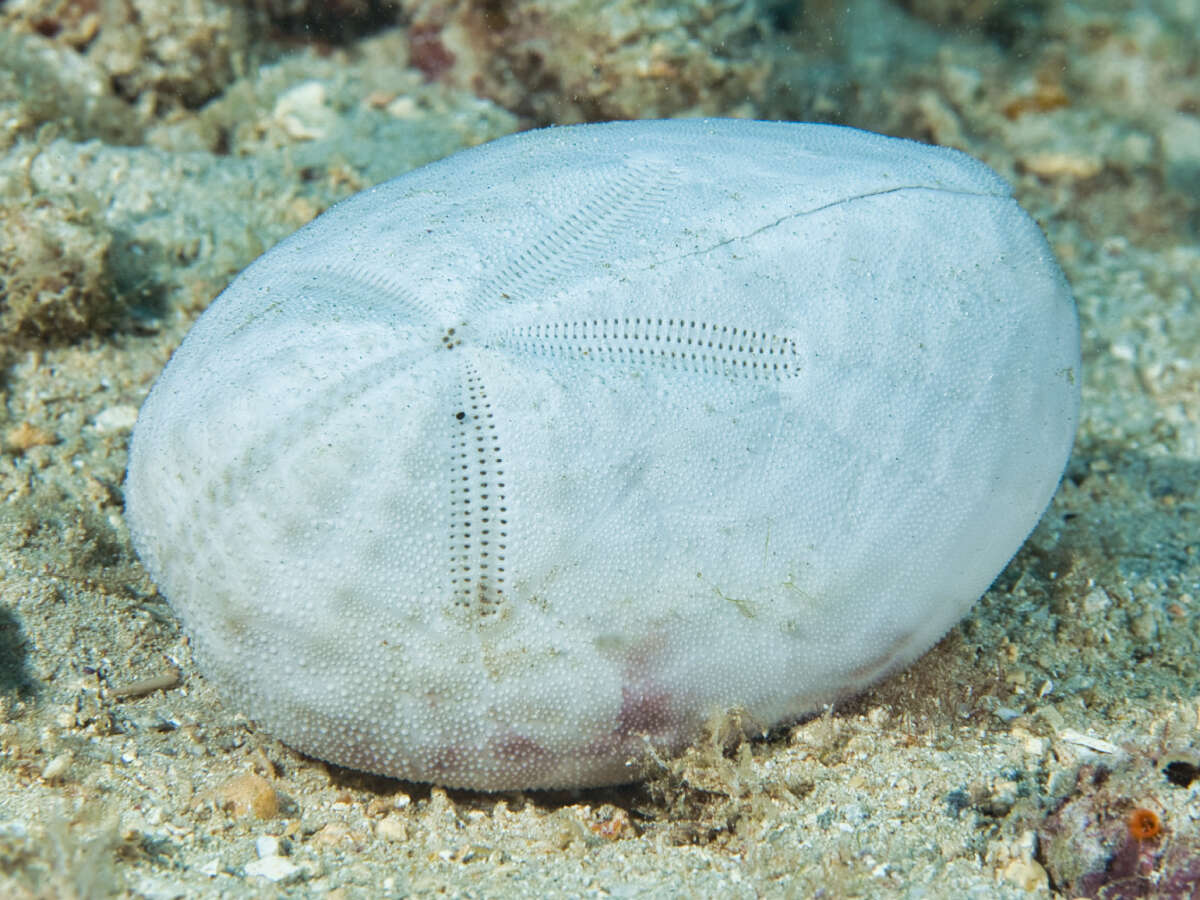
[(15, 677)]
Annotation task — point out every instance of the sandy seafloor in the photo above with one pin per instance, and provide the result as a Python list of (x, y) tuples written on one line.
[(151, 148)]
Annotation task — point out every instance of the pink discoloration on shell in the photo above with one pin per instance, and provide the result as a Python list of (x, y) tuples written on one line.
[(645, 709)]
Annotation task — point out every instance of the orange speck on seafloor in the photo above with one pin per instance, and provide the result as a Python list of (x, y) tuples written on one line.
[(1144, 824)]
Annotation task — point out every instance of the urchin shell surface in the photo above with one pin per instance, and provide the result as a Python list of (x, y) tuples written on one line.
[(499, 470)]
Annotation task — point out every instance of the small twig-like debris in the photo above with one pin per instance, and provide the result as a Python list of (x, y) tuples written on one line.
[(163, 682), (1095, 744)]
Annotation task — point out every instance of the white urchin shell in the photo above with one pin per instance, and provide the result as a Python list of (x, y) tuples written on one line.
[(500, 469)]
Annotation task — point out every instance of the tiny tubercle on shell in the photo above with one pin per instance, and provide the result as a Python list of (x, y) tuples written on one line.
[(504, 470)]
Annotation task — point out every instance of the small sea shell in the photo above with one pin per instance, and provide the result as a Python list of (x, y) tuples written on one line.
[(503, 470)]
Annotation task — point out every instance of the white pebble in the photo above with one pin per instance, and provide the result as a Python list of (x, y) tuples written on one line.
[(115, 418), (266, 845), (274, 868), (57, 767)]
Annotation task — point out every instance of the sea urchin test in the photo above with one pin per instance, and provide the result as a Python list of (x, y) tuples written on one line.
[(500, 473)]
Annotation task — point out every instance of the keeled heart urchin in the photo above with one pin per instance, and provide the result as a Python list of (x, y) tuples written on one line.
[(504, 470)]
